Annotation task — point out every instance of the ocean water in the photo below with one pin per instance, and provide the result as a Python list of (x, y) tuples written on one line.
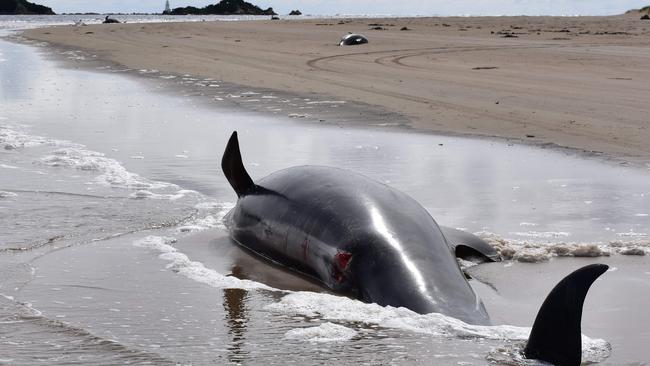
[(12, 22), (112, 249)]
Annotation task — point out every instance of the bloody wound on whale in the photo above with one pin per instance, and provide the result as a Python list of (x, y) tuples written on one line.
[(367, 240)]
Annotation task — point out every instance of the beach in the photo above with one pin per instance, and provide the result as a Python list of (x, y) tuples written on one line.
[(113, 245), (575, 82)]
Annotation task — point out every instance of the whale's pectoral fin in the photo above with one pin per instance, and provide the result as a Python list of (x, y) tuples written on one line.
[(468, 246), (233, 167), (556, 336)]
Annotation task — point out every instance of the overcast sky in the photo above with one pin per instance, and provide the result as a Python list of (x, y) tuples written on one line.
[(396, 7)]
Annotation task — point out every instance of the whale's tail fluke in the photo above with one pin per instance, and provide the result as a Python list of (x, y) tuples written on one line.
[(233, 167), (556, 336)]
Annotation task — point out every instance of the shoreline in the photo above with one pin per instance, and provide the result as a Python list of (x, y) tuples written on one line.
[(109, 304), (480, 101)]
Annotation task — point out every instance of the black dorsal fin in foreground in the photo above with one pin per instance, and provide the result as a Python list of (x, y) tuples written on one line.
[(556, 336), (233, 167)]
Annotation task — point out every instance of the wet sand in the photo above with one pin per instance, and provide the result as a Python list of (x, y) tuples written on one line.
[(578, 82)]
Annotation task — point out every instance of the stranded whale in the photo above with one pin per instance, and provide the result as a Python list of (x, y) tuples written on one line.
[(367, 240), (353, 39)]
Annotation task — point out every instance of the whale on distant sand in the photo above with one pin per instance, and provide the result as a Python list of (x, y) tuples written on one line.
[(352, 39)]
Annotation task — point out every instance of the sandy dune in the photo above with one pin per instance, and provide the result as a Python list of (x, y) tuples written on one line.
[(577, 82)]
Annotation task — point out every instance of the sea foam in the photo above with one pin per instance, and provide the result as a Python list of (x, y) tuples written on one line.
[(344, 310), (69, 155), (11, 138), (111, 172), (326, 332), (532, 251), (181, 264)]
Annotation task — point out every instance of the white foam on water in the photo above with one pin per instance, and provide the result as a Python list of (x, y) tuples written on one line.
[(4, 194), (143, 193), (201, 224), (542, 234), (11, 138), (631, 234), (111, 172), (181, 264), (211, 216), (324, 333), (75, 156), (327, 102), (343, 309), (638, 251), (27, 308), (532, 252)]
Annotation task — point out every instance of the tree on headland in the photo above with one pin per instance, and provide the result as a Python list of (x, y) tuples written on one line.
[(23, 7), (225, 7)]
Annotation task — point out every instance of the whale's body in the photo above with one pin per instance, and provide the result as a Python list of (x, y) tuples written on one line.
[(367, 240), (356, 236)]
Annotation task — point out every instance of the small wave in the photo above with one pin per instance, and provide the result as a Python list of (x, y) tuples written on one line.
[(542, 234), (327, 102), (324, 333), (533, 252), (181, 264), (143, 193), (76, 156), (298, 115), (211, 216), (343, 309), (201, 224), (11, 138), (82, 338), (4, 194), (112, 173)]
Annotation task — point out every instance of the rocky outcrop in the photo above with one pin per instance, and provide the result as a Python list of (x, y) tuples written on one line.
[(23, 7), (225, 7), (295, 12)]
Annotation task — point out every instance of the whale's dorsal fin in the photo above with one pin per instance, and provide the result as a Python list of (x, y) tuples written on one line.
[(233, 167), (556, 336), (465, 245)]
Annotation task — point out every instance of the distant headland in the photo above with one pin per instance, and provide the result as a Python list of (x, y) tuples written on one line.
[(225, 7), (23, 7)]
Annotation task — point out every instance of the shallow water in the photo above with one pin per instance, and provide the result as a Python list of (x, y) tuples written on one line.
[(112, 250)]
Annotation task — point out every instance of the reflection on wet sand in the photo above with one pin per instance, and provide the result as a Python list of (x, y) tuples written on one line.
[(234, 302), (246, 265)]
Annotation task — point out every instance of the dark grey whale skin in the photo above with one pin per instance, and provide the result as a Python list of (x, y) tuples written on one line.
[(356, 236)]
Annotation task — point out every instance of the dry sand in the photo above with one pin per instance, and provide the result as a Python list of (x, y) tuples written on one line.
[(578, 82)]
